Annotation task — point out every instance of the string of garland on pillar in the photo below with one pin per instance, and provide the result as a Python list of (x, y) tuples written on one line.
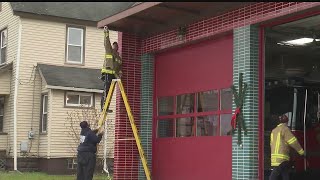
[(237, 118)]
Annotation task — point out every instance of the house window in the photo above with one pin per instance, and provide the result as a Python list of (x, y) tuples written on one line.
[(206, 113), (3, 45), (44, 113), (1, 113), (75, 99), (75, 45), (72, 164)]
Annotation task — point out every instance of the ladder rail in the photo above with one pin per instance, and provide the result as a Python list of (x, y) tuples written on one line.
[(106, 104), (131, 119), (135, 131)]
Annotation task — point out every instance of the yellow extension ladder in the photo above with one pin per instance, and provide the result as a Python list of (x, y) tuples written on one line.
[(133, 125)]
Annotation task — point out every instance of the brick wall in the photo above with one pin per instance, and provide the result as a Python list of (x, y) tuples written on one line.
[(126, 155)]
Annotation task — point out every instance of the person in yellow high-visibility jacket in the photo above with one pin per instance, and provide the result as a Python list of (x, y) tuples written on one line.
[(281, 139), (112, 65)]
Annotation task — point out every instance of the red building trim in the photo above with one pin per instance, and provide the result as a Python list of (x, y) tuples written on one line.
[(251, 14), (292, 18)]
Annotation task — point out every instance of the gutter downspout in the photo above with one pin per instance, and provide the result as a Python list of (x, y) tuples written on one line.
[(15, 98)]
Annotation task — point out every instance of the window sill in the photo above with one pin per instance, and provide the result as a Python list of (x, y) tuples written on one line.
[(43, 133), (3, 133), (3, 64), (79, 107), (74, 64)]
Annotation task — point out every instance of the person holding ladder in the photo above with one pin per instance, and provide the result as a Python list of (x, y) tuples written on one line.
[(112, 65), (87, 149)]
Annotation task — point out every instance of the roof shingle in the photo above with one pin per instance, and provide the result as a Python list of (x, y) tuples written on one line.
[(71, 77), (90, 11)]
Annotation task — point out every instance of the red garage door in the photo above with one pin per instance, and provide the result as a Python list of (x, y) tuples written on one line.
[(193, 112)]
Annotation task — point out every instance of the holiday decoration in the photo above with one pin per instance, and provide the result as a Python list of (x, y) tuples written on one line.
[(237, 118)]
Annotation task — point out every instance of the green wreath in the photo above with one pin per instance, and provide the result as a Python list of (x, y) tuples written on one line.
[(237, 118)]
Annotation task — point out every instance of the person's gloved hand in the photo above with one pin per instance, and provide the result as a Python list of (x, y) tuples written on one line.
[(95, 131), (101, 132), (106, 29)]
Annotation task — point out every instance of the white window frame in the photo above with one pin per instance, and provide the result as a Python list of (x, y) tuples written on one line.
[(78, 94), (44, 112), (82, 46), (2, 115), (1, 47)]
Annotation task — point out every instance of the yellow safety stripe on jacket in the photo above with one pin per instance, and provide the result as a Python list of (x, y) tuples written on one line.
[(274, 158), (276, 151), (280, 124), (301, 151), (271, 138), (103, 70), (281, 156), (109, 56), (275, 164), (292, 140)]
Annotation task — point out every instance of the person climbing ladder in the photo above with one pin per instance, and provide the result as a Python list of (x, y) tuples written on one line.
[(112, 65)]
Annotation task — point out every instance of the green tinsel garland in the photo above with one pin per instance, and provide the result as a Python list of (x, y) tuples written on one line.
[(239, 100)]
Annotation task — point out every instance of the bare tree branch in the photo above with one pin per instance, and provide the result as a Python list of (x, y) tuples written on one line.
[(72, 125)]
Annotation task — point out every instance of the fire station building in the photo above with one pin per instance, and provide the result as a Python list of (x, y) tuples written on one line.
[(180, 60)]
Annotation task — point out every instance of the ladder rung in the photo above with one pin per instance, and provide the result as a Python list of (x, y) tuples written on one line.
[(125, 139), (115, 79)]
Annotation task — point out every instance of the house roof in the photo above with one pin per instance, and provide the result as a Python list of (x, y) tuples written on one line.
[(90, 11), (71, 77)]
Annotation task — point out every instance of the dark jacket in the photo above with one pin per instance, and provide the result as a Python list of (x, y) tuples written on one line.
[(88, 141)]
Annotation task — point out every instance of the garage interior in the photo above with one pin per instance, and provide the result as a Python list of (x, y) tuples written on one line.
[(292, 73)]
